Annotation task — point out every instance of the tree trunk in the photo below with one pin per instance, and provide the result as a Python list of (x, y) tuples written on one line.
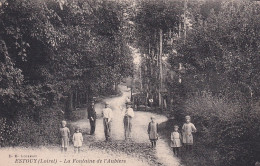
[(71, 101), (160, 68), (184, 20), (141, 82)]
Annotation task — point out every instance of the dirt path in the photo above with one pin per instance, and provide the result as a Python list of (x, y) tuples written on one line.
[(51, 156), (139, 135), (139, 132)]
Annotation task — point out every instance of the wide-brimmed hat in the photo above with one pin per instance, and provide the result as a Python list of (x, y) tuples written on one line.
[(176, 126), (106, 103)]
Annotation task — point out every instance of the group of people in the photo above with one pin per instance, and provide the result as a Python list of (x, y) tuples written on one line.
[(77, 138), (177, 138), (185, 137), (107, 114)]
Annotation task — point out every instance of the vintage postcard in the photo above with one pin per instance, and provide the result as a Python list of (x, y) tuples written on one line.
[(129, 83)]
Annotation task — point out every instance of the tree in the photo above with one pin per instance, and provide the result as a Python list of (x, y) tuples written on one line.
[(156, 24), (56, 55), (221, 52)]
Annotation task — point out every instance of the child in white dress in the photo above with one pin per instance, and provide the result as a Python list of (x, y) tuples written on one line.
[(77, 140), (187, 129), (176, 140)]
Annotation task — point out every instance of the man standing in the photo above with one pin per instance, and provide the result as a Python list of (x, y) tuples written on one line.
[(128, 115), (107, 118), (92, 116)]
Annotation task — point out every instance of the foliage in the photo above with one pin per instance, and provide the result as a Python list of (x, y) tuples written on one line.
[(221, 52), (77, 114), (27, 132), (228, 128), (151, 18), (220, 81), (52, 54)]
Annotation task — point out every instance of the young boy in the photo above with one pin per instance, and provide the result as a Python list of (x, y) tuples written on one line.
[(153, 132), (77, 140), (107, 120), (128, 115), (187, 129), (65, 135)]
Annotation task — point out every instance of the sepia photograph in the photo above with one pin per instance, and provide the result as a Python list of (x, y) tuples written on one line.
[(129, 82)]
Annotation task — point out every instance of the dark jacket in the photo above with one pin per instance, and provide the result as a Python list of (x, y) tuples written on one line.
[(153, 131), (92, 113)]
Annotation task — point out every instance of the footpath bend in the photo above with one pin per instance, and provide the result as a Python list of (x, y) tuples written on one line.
[(51, 155)]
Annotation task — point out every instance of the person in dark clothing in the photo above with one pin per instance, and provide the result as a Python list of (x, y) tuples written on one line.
[(92, 116), (153, 131)]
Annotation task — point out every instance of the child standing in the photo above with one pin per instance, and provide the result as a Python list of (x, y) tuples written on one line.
[(77, 140), (65, 135), (176, 140), (187, 129), (152, 131)]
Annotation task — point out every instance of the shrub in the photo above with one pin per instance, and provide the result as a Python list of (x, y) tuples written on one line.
[(6, 132), (26, 131), (230, 129), (49, 125), (77, 114)]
